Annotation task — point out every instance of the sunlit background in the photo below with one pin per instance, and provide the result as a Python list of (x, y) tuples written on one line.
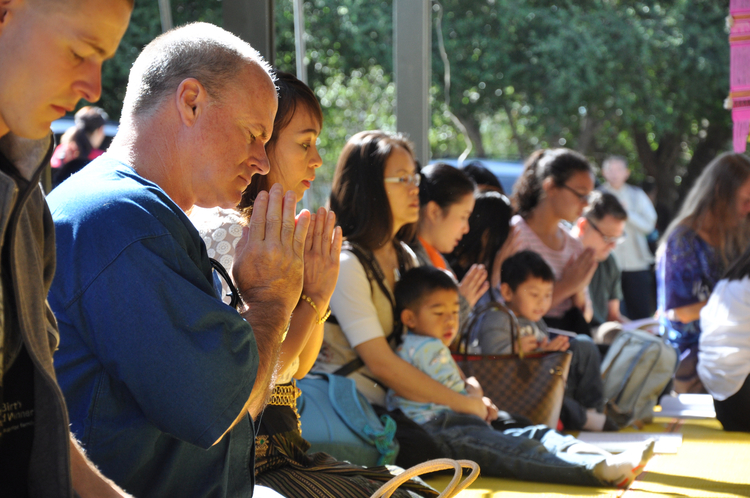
[(645, 80)]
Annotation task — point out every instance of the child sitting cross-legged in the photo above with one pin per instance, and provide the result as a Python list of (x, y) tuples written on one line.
[(427, 298), (526, 287)]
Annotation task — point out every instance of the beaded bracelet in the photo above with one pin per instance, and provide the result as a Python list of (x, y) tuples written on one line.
[(318, 319)]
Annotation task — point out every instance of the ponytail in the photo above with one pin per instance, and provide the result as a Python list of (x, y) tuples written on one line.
[(445, 185), (558, 164)]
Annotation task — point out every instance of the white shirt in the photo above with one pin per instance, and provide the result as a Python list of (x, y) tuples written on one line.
[(724, 347), (363, 313), (633, 254)]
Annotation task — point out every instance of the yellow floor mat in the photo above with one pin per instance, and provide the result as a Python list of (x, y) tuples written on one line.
[(711, 463)]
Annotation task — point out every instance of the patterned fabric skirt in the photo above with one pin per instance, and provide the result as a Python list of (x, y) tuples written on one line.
[(283, 464)]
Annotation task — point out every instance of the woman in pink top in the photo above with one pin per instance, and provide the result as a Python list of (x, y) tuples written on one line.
[(554, 187)]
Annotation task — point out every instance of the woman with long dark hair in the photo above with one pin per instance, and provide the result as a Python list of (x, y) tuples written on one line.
[(446, 198), (376, 193), (489, 232)]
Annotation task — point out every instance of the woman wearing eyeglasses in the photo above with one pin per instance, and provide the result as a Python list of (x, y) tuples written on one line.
[(554, 187), (375, 193)]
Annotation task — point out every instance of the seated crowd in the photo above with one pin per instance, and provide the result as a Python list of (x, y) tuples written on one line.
[(190, 296)]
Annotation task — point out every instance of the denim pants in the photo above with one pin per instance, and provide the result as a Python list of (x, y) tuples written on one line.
[(584, 388), (533, 453)]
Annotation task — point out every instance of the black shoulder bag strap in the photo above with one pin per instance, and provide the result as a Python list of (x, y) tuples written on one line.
[(234, 295), (374, 272)]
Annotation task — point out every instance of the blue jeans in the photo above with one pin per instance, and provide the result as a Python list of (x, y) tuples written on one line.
[(533, 453)]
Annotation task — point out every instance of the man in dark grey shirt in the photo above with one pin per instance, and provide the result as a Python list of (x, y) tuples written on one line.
[(601, 228), (51, 54)]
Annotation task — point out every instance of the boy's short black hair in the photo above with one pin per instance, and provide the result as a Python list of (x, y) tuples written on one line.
[(524, 265), (418, 283)]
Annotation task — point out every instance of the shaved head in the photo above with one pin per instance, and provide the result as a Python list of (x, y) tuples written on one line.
[(210, 54)]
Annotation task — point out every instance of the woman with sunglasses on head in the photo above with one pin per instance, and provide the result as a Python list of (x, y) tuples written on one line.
[(554, 187), (281, 459), (709, 233)]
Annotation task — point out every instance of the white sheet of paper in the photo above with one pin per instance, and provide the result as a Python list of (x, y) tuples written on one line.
[(686, 406), (616, 442)]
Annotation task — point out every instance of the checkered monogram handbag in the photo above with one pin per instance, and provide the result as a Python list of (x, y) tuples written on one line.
[(532, 385)]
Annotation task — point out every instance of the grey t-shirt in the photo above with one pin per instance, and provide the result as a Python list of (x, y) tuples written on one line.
[(491, 331), (605, 285)]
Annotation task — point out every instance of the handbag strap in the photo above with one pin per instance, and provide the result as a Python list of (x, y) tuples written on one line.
[(463, 344), (454, 487), (374, 273)]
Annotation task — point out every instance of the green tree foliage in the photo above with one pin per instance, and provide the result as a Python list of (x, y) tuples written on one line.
[(342, 36), (350, 67), (349, 61), (642, 79)]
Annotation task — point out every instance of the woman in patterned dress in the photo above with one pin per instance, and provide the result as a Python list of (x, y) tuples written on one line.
[(706, 237), (281, 460)]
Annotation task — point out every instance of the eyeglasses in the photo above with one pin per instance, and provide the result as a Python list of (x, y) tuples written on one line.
[(607, 238), (581, 197), (414, 179)]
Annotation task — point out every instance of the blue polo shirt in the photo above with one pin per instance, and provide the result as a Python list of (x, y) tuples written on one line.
[(154, 367)]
